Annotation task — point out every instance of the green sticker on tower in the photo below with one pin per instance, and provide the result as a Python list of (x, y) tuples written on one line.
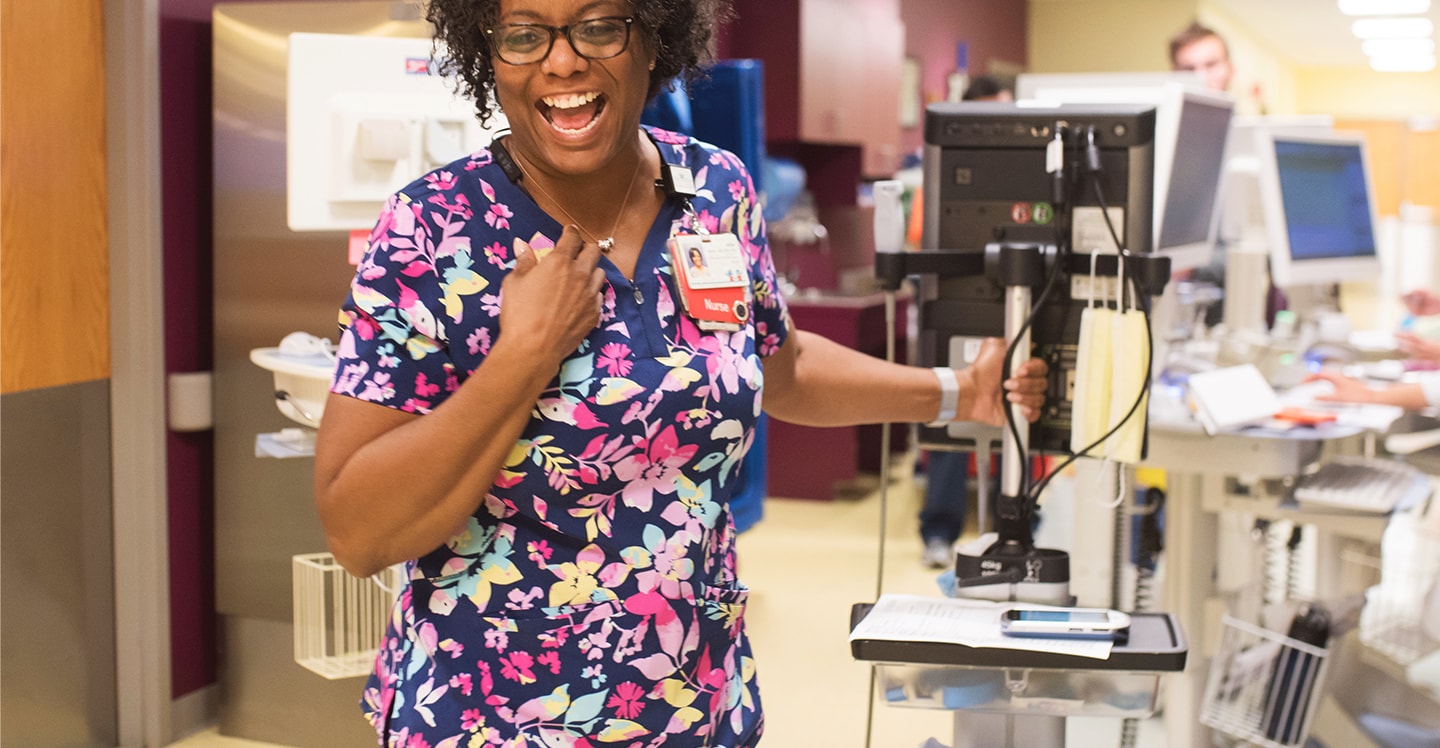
[(1042, 213)]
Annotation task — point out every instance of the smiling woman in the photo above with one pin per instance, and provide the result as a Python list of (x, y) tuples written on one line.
[(544, 422)]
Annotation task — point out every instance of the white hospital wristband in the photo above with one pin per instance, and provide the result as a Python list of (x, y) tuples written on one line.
[(949, 394)]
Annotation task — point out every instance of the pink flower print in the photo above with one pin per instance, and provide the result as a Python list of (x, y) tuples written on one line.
[(497, 639), (379, 389), (614, 358), (737, 190), (498, 216), (769, 341), (673, 138), (550, 660), (491, 304), (470, 719), (479, 341), (350, 376), (464, 685), (417, 741), (728, 364), (423, 387), (671, 568), (540, 551), (695, 418), (654, 467), (625, 700), (440, 181), (497, 255), (517, 666), (709, 221)]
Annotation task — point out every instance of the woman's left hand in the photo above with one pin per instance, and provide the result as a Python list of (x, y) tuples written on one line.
[(1026, 386)]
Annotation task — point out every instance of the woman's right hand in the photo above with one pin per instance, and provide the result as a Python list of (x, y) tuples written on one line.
[(1347, 390), (553, 298), (1416, 347)]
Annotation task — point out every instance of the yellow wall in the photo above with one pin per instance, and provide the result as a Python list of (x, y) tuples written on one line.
[(1362, 93), (1066, 36), (54, 250)]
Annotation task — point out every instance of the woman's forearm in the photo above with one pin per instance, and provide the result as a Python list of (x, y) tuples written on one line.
[(392, 486), (814, 381)]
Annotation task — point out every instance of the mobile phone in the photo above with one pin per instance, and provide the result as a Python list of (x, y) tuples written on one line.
[(1083, 623)]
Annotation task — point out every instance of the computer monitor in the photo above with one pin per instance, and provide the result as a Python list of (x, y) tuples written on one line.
[(1192, 126), (1319, 207), (1241, 216), (987, 185)]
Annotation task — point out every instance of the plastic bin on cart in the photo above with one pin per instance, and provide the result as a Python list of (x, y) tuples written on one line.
[(954, 676)]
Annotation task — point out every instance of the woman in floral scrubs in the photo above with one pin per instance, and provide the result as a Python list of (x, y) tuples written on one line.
[(531, 419)]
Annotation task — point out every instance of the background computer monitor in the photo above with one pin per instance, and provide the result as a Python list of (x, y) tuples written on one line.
[(1241, 216), (1192, 126), (1319, 207)]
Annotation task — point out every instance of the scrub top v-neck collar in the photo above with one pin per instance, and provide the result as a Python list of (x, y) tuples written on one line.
[(635, 297)]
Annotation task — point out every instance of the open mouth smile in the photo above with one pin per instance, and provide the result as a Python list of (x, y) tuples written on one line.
[(574, 113)]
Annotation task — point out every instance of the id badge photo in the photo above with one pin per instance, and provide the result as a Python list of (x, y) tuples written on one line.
[(713, 276)]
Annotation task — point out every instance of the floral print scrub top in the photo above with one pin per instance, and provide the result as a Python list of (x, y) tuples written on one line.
[(592, 598)]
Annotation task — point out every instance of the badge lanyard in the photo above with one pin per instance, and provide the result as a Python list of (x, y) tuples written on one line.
[(710, 269)]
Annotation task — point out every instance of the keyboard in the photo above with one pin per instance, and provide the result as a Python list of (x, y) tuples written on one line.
[(1367, 486)]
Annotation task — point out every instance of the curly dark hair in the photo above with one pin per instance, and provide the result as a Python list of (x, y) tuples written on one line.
[(682, 33)]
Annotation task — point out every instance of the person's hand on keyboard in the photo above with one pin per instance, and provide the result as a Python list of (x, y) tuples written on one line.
[(1349, 390)]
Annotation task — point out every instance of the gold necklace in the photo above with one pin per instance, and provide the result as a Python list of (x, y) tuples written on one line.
[(608, 243)]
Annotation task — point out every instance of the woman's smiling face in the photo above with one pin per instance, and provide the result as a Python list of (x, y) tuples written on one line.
[(570, 115)]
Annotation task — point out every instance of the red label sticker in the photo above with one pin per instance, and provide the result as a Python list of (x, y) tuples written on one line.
[(359, 242), (1020, 212)]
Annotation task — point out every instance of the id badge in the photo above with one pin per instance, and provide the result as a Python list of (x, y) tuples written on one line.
[(713, 275)]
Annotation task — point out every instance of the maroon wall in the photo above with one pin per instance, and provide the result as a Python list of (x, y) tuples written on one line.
[(185, 191), (993, 29), (185, 46)]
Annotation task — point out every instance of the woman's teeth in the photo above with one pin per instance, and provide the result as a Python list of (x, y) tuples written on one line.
[(570, 101), (572, 114)]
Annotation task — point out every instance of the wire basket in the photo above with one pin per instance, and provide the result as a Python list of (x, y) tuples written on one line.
[(1398, 620), (339, 619), (1263, 687)]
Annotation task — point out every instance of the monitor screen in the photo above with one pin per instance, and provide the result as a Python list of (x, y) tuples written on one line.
[(1189, 208), (1241, 215), (1320, 213), (1192, 126)]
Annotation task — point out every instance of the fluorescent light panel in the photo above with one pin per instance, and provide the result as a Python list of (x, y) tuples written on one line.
[(1394, 47), (1403, 63), (1384, 7), (1392, 28)]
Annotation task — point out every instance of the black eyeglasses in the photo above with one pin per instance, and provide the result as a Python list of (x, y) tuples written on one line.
[(593, 39)]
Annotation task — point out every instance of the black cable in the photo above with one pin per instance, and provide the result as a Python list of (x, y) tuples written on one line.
[(1059, 190), (1093, 166)]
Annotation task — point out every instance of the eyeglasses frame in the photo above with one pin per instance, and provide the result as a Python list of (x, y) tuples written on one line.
[(556, 32)]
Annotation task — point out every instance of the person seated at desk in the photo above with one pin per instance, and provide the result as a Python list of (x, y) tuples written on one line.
[(1424, 393)]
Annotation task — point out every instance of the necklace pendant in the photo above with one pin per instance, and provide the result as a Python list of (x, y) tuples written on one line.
[(607, 244)]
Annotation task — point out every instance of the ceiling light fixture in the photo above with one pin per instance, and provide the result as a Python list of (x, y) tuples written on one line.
[(1403, 63), (1392, 28), (1384, 7), (1403, 47)]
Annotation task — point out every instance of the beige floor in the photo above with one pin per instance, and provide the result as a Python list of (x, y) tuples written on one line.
[(807, 563)]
